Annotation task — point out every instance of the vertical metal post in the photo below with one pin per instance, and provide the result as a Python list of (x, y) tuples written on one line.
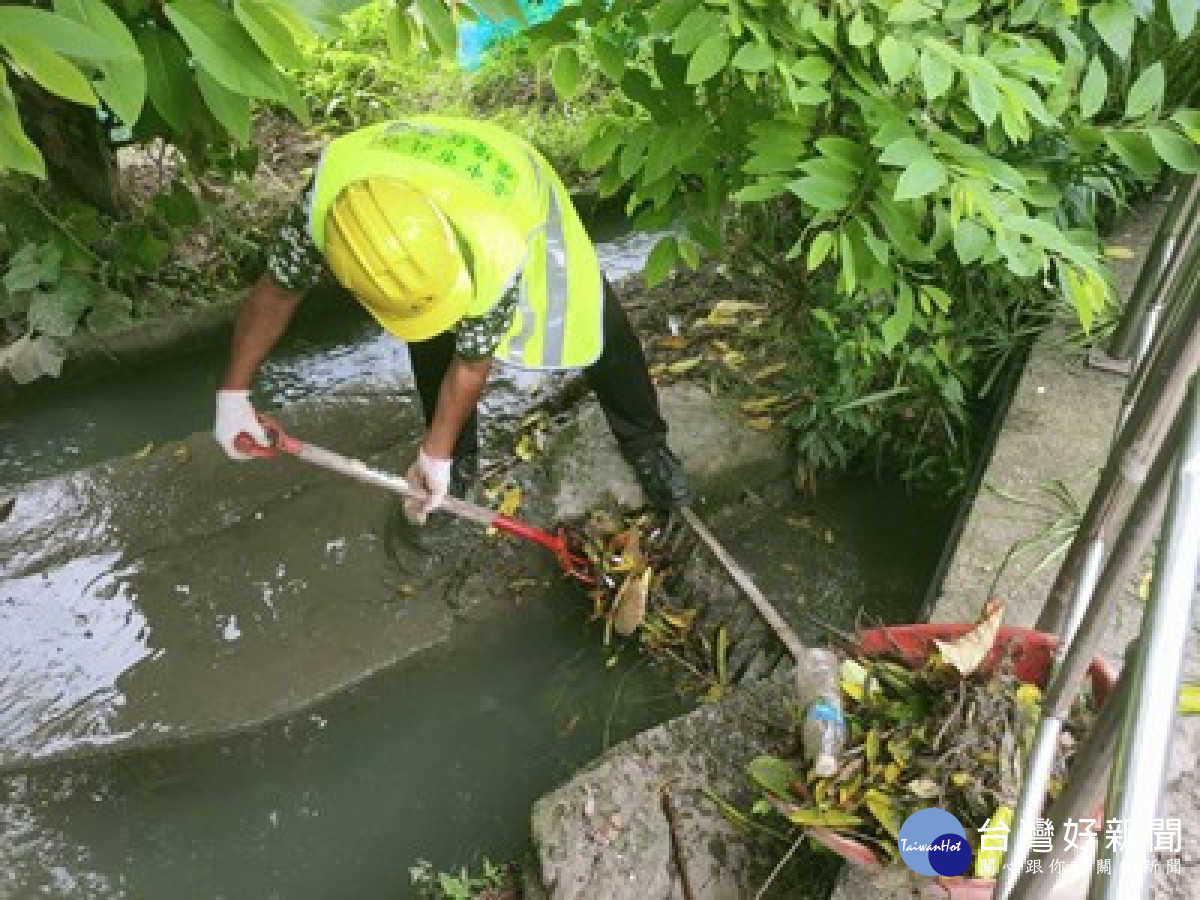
[(1146, 294), (1185, 281), (1143, 748), (1130, 548), (1082, 795), (1138, 443)]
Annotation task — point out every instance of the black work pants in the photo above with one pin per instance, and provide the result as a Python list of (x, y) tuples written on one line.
[(620, 380)]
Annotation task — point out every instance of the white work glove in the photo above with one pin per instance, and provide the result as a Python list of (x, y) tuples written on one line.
[(431, 475), (235, 416)]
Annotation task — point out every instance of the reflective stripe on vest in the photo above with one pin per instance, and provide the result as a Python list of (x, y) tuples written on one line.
[(533, 232)]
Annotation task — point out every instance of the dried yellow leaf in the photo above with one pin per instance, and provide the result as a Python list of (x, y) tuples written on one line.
[(767, 371), (145, 451), (511, 501), (526, 447), (761, 423), (883, 809), (683, 365), (968, 652), (762, 404), (672, 342), (631, 602), (924, 788)]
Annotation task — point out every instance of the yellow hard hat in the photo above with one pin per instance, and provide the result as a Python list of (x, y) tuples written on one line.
[(390, 245)]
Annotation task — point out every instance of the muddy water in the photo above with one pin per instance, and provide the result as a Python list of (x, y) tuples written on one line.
[(435, 759)]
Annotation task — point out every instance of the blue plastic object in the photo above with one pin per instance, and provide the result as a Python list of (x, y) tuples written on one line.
[(476, 38)]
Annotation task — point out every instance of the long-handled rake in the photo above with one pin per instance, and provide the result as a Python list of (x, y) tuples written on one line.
[(281, 442)]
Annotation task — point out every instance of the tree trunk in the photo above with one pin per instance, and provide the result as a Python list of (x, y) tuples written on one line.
[(80, 161)]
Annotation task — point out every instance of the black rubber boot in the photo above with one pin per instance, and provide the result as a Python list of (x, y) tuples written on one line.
[(660, 474)]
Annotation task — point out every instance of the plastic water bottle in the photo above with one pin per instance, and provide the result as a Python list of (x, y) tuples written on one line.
[(819, 691)]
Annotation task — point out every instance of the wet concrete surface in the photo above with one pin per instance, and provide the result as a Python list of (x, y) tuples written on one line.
[(162, 597)]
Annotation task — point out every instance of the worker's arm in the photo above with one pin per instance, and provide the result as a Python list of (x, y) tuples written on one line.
[(261, 321), (461, 387), (460, 390)]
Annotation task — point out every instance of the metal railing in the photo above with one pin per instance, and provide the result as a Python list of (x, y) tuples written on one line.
[(1153, 466)]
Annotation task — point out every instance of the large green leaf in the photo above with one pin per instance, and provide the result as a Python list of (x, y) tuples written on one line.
[(56, 311), (397, 30), (937, 75), (567, 73), (904, 151), (1115, 21), (823, 193), (664, 154), (983, 97), (861, 33), (171, 85), (753, 57), (1189, 121), (610, 57), (1094, 90), (58, 33), (31, 266), (1146, 92), (908, 11), (272, 32), (709, 59), (923, 176), (51, 70), (774, 775), (696, 27), (971, 241), (122, 83), (499, 10), (1183, 15), (895, 327), (818, 250), (17, 152), (898, 58), (230, 109), (813, 69), (763, 189), (1135, 150), (851, 154), (224, 49), (1174, 149), (661, 260), (666, 15), (440, 25)]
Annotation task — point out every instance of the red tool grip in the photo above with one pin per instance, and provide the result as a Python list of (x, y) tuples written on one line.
[(575, 566), (281, 441)]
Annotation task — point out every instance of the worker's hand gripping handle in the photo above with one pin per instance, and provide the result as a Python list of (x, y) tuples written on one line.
[(281, 441)]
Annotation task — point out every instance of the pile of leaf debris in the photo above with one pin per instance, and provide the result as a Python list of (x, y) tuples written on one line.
[(636, 560), (951, 733)]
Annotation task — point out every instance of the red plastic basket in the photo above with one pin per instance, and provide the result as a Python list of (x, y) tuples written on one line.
[(1032, 652)]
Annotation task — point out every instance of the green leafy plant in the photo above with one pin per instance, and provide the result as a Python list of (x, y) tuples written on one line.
[(493, 882), (916, 161)]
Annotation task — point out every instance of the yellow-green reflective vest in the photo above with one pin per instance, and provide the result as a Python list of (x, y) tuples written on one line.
[(513, 212)]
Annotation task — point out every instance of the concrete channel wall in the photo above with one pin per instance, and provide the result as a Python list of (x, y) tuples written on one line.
[(1058, 428)]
